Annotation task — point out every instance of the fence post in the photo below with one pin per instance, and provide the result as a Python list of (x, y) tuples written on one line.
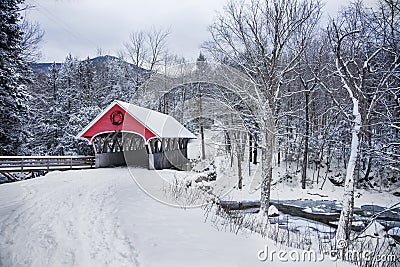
[(48, 164), (22, 164), (70, 162)]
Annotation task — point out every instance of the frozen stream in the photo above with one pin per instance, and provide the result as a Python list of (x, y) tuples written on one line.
[(318, 215)]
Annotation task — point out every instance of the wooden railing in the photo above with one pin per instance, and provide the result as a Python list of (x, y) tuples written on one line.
[(44, 163)]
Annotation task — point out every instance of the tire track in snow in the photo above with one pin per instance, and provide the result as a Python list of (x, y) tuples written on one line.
[(71, 224)]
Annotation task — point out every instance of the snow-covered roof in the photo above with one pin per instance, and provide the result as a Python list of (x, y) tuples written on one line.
[(159, 124), (162, 125)]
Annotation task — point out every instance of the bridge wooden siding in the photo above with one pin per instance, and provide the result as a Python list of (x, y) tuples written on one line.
[(44, 163)]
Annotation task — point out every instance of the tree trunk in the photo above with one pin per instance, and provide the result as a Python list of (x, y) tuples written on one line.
[(255, 151), (305, 152), (368, 171), (250, 148), (203, 148), (239, 165), (266, 170), (279, 155), (346, 216)]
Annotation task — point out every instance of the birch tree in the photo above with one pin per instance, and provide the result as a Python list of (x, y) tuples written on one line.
[(365, 60)]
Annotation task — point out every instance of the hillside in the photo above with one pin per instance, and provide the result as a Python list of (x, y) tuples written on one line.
[(43, 67)]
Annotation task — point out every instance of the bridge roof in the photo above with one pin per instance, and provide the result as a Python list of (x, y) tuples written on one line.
[(126, 117)]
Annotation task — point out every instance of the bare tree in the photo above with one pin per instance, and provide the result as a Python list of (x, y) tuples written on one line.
[(240, 144), (365, 60), (310, 67), (265, 39), (137, 48), (147, 49), (157, 46), (31, 38)]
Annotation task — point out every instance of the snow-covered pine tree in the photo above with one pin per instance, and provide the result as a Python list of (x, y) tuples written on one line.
[(13, 76), (48, 114)]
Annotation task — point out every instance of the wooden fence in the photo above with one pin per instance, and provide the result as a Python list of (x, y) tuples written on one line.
[(44, 163)]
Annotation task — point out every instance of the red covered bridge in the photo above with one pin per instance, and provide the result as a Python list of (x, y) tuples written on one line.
[(128, 134)]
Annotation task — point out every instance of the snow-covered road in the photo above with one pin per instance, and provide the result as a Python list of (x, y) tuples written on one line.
[(64, 219), (101, 218)]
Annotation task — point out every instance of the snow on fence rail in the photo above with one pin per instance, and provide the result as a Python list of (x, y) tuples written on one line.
[(44, 163)]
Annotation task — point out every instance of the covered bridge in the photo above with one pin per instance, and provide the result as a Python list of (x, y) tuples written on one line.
[(128, 134)]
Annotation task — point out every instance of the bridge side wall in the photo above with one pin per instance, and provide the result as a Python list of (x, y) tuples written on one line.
[(168, 159)]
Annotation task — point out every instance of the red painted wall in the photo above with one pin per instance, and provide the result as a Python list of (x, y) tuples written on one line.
[(104, 124)]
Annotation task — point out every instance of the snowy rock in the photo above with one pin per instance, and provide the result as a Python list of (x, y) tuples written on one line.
[(204, 166), (374, 229), (337, 180), (200, 178), (308, 210), (273, 211)]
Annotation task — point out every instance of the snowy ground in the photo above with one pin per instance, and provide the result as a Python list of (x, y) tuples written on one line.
[(291, 190), (101, 218), (283, 189)]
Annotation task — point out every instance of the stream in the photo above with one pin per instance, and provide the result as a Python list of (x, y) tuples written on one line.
[(320, 216)]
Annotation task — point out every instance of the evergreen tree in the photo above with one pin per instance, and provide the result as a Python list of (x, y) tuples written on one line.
[(13, 76)]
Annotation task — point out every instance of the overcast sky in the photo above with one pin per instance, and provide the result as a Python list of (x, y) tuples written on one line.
[(81, 27)]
